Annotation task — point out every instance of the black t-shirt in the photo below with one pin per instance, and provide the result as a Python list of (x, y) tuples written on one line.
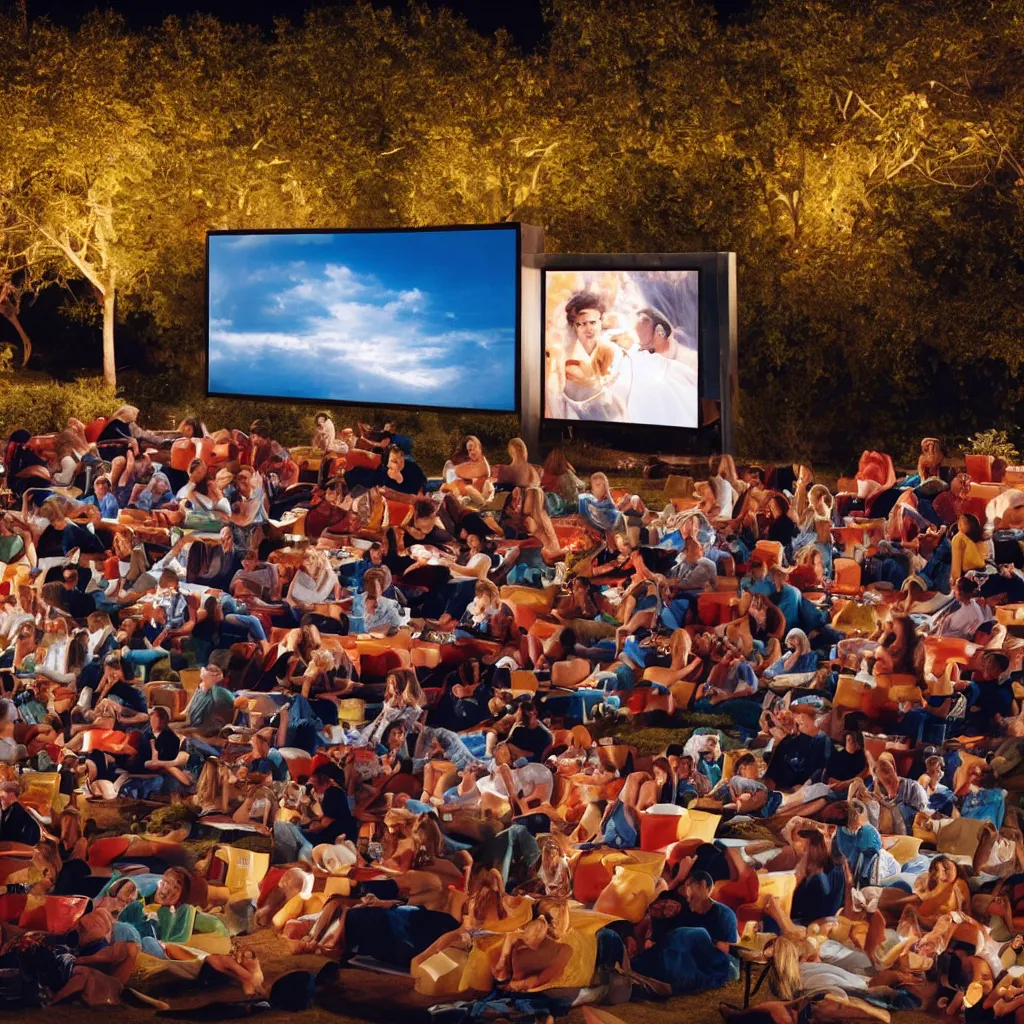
[(75, 536), (797, 759), (843, 765), (164, 747), (114, 430), (438, 537), (79, 605), (414, 480), (783, 530), (129, 696), (534, 740), (334, 804), (18, 826)]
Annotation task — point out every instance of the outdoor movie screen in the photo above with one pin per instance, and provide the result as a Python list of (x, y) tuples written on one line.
[(620, 346), (423, 318)]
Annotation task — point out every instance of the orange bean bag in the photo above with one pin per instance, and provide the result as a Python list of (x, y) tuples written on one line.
[(357, 458)]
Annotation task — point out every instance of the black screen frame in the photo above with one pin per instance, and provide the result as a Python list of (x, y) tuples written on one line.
[(715, 376), (351, 403)]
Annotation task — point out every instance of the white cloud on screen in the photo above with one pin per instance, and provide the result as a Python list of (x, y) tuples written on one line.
[(350, 324)]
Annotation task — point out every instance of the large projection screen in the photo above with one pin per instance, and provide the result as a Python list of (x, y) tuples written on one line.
[(418, 318), (622, 346)]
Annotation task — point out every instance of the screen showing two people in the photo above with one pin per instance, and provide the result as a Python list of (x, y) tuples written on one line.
[(621, 346), (427, 319)]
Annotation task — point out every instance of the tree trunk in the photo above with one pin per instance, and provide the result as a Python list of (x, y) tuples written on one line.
[(26, 344), (109, 295)]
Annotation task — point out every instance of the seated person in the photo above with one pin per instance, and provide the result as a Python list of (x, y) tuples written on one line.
[(212, 706), (745, 792), (529, 738)]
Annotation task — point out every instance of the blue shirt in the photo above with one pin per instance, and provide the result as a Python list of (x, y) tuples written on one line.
[(712, 770), (107, 505), (719, 921), (386, 617), (859, 849), (798, 612)]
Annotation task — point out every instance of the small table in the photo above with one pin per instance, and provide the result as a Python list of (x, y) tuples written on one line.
[(749, 959)]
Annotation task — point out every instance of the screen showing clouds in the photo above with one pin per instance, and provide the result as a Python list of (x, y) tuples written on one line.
[(421, 318)]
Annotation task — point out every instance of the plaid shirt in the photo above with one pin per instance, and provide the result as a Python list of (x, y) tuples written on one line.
[(175, 606)]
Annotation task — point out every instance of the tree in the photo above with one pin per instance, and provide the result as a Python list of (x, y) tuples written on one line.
[(862, 157), (19, 273), (92, 155)]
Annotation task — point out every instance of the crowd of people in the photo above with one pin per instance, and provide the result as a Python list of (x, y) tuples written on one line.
[(521, 736)]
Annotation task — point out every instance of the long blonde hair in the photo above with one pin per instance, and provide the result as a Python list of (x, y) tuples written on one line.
[(402, 682), (489, 898), (208, 788), (785, 970), (322, 565), (517, 451), (126, 413), (535, 509), (604, 480)]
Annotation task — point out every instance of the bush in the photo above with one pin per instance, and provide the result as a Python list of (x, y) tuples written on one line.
[(42, 405), (995, 443)]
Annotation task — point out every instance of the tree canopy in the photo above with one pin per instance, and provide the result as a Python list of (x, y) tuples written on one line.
[(864, 158)]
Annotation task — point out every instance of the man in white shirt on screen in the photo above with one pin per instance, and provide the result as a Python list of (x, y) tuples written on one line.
[(655, 334)]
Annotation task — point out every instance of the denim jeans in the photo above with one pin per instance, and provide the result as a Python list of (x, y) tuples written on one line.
[(290, 844), (249, 622)]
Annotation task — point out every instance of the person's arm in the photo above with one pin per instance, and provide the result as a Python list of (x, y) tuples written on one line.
[(155, 764), (169, 560), (547, 975), (476, 571)]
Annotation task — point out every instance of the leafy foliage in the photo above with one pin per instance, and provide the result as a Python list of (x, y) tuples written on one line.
[(863, 158), (41, 405), (995, 443)]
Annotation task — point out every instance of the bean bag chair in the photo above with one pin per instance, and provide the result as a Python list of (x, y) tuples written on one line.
[(630, 891), (94, 429), (715, 608), (665, 824), (979, 468), (357, 458), (53, 914), (875, 473)]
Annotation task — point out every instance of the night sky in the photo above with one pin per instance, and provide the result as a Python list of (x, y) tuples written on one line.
[(523, 18)]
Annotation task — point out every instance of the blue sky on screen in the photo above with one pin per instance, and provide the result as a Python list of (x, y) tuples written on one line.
[(424, 318)]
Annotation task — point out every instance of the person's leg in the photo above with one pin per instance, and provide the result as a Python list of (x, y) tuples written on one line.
[(288, 841), (777, 912), (249, 622), (642, 619)]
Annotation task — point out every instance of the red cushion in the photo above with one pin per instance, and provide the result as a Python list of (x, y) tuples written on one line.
[(94, 429)]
